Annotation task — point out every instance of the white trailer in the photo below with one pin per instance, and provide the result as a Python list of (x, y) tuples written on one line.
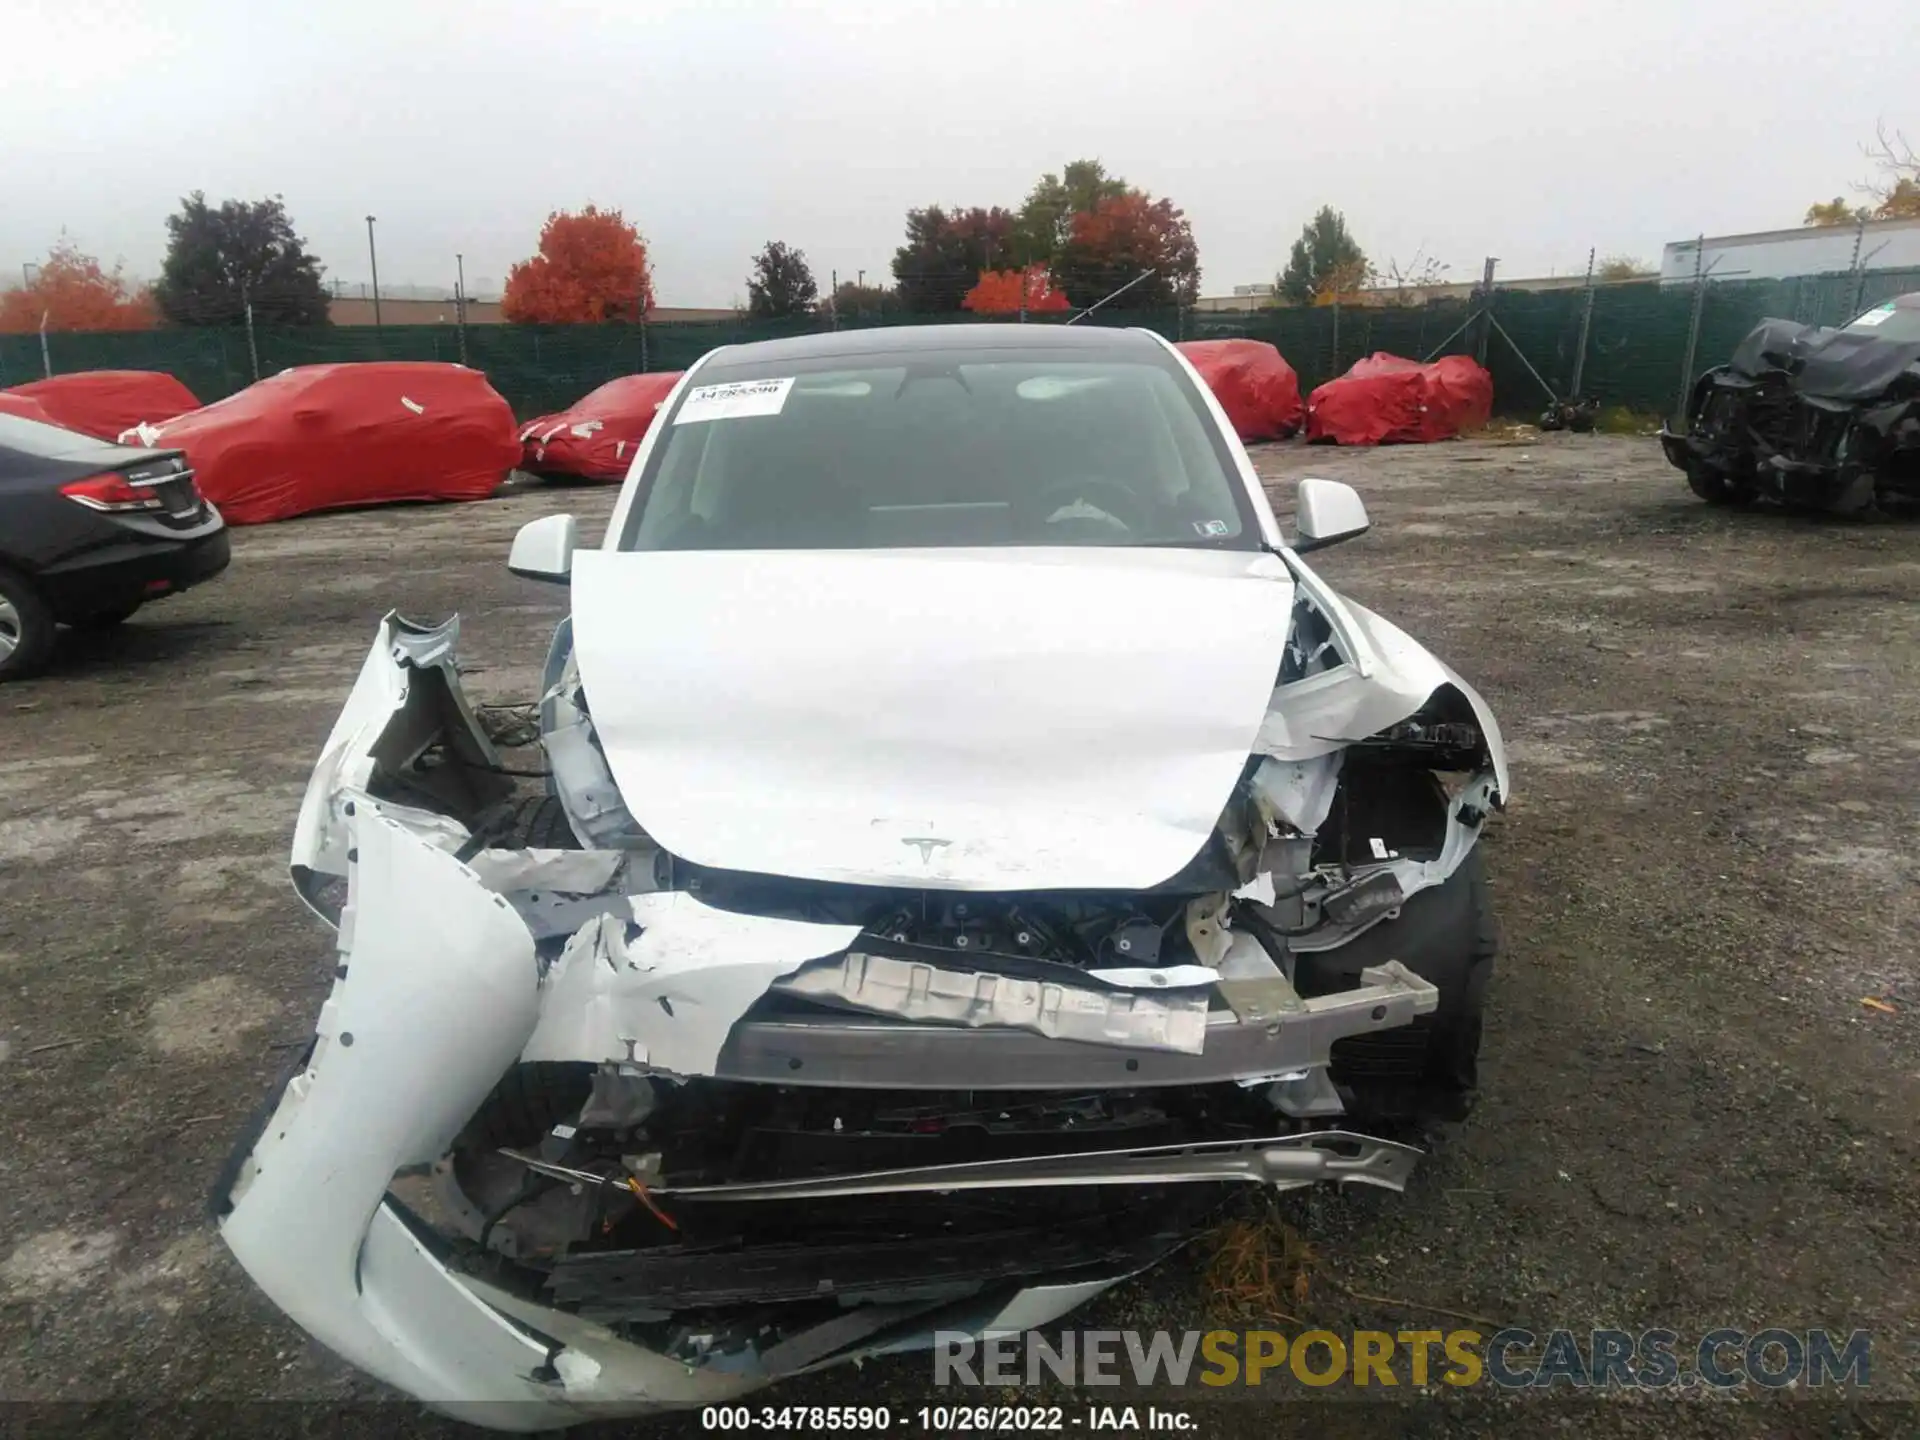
[(1789, 254)]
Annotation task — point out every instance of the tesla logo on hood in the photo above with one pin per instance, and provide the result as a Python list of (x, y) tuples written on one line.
[(927, 847)]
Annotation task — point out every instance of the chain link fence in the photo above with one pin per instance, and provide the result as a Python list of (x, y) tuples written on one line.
[(1638, 340)]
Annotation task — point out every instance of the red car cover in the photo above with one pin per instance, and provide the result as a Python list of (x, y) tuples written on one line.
[(1256, 387), (25, 406), (1466, 391), (595, 437), (103, 403), (320, 437), (1387, 400)]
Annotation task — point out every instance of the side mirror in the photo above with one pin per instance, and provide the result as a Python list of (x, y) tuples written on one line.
[(1325, 513), (543, 550)]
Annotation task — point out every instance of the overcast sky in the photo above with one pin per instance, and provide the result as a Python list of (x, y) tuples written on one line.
[(1460, 127)]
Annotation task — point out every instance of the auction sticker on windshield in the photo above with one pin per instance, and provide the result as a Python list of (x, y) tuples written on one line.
[(1876, 315), (734, 401)]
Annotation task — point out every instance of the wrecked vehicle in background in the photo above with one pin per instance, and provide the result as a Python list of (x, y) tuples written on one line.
[(1811, 417), (975, 846)]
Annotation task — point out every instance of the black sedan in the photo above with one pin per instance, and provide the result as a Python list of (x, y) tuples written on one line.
[(89, 532)]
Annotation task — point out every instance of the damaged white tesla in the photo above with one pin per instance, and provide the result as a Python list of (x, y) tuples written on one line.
[(974, 844)]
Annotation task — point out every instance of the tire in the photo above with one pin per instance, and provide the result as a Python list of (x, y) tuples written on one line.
[(26, 628), (1428, 1070), (1714, 487), (105, 619), (1453, 1047)]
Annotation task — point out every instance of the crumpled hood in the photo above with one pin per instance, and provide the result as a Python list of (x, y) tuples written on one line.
[(964, 719), (1827, 363)]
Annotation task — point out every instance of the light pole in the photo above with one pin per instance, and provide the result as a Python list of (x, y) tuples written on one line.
[(374, 261), (460, 301)]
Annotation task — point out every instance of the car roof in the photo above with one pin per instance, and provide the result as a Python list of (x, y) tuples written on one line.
[(916, 339)]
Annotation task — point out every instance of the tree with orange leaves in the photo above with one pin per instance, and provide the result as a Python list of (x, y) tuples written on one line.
[(592, 267), (998, 292), (73, 292), (1119, 239)]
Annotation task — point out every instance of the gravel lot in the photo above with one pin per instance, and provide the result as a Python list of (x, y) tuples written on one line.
[(1690, 1119)]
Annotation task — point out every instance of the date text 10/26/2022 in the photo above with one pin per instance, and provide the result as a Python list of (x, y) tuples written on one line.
[(1508, 1359), (943, 1419)]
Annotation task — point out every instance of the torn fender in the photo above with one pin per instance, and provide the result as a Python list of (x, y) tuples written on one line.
[(1389, 678), (406, 699), (578, 774)]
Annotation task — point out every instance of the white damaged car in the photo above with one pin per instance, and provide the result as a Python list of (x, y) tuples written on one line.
[(974, 845)]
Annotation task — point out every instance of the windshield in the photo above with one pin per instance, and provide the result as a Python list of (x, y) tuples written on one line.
[(965, 447), (1891, 322)]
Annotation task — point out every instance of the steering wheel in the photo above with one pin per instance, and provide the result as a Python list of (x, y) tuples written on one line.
[(1121, 506)]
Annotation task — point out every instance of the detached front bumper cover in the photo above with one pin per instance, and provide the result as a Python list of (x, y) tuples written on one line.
[(439, 993)]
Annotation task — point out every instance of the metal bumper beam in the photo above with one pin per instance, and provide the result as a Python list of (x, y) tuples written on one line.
[(1284, 1162), (860, 1052)]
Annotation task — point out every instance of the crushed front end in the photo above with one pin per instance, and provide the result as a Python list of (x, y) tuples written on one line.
[(1810, 417), (589, 1130)]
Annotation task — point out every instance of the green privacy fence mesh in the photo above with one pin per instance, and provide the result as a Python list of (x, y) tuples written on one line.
[(1636, 338), (1636, 345)]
